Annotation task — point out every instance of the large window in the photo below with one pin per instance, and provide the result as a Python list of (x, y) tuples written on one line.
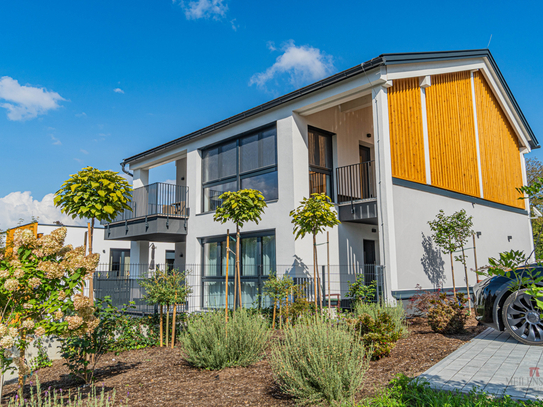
[(257, 260), (320, 161), (119, 262), (247, 162)]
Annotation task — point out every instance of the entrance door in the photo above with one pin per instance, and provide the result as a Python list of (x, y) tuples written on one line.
[(369, 261), (365, 171)]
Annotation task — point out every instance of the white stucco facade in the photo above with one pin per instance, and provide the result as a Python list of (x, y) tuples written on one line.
[(355, 112)]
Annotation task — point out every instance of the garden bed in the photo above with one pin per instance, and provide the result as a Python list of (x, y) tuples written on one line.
[(160, 377)]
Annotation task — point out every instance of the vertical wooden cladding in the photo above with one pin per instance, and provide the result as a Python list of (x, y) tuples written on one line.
[(406, 134), (451, 133), (499, 148)]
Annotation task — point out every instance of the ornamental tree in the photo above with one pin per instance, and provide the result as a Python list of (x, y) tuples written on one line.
[(95, 195), (167, 288), (245, 205), (39, 285), (451, 233), (313, 216)]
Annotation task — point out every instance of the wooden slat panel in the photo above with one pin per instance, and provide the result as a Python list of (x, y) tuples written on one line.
[(499, 147), (406, 136), (451, 133)]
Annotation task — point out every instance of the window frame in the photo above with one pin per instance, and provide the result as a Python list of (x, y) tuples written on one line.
[(239, 175), (320, 169), (260, 278)]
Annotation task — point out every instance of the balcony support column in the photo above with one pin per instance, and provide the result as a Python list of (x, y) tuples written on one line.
[(140, 179), (139, 259)]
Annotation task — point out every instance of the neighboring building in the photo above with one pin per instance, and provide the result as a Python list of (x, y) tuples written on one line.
[(391, 141), (114, 255)]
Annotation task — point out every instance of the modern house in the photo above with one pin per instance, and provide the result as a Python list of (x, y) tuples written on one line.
[(391, 141)]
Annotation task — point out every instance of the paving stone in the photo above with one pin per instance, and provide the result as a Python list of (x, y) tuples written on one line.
[(493, 362)]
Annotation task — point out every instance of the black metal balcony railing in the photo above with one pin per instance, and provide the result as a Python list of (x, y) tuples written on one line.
[(156, 199), (355, 182)]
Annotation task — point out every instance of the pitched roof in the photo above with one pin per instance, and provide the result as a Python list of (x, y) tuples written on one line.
[(383, 59)]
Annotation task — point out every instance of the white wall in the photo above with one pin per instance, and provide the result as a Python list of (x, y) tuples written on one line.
[(75, 236), (413, 209)]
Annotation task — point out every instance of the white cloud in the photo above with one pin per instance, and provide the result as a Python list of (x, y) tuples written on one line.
[(82, 114), (196, 9), (84, 151), (26, 102), (118, 90), (21, 205), (301, 64), (234, 25), (56, 141), (79, 160)]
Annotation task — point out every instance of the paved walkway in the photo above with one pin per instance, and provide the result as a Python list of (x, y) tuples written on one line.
[(495, 363)]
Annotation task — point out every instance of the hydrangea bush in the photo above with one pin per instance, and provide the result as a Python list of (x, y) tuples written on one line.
[(41, 281)]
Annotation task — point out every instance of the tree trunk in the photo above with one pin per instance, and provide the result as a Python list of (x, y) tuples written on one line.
[(173, 324), (452, 271), (281, 313), (161, 329), (21, 378), (167, 323), (237, 265), (315, 270), (467, 282)]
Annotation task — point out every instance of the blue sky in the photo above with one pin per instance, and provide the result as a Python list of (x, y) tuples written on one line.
[(92, 82)]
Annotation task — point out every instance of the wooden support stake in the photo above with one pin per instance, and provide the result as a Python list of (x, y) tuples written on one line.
[(328, 268), (161, 329), (227, 261), (173, 324)]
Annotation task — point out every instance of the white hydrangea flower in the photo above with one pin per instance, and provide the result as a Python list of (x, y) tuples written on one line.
[(28, 324), (7, 342)]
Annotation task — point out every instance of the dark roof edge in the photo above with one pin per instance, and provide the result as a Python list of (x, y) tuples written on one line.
[(383, 59), (341, 76)]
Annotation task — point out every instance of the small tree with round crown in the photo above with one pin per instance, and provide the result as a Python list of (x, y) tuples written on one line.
[(245, 205), (95, 195), (313, 216)]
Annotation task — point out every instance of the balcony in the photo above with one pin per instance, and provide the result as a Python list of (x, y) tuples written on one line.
[(159, 213), (356, 193)]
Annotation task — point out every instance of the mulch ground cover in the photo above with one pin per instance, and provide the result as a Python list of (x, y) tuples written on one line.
[(160, 377)]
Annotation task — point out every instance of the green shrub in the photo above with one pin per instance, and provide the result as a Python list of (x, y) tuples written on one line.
[(319, 362), (360, 292), (41, 360), (447, 315), (210, 343), (379, 327), (404, 392), (396, 313)]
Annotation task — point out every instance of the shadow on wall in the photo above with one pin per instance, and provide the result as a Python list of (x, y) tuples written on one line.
[(432, 262)]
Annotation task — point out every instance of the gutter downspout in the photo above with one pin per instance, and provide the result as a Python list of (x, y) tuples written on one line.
[(123, 164)]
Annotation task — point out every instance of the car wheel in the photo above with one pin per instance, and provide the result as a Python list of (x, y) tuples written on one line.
[(522, 319)]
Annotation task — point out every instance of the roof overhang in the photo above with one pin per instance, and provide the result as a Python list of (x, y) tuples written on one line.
[(388, 67)]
